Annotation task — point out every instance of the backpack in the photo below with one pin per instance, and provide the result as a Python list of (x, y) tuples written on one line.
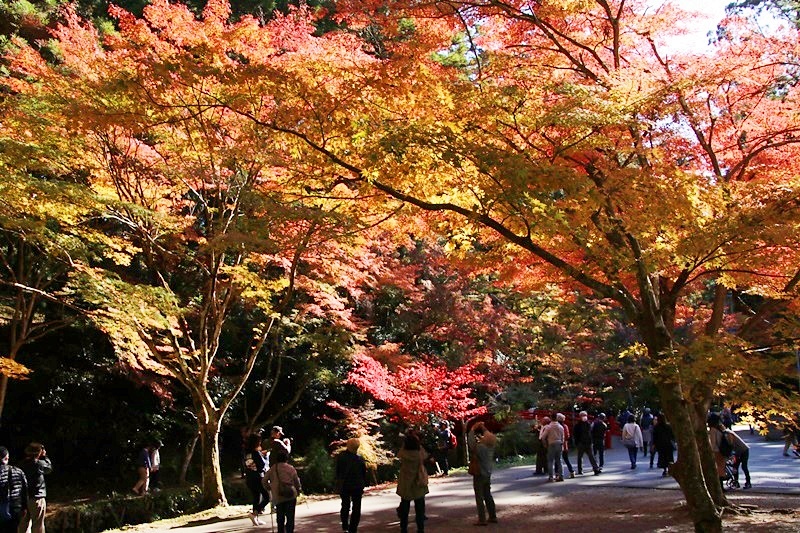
[(452, 442), (725, 446)]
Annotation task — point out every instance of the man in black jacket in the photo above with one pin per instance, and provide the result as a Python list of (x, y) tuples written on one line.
[(582, 433), (351, 478), (35, 466), (599, 428), (14, 490)]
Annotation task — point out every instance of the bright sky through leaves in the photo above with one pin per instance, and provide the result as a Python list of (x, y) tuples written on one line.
[(714, 11)]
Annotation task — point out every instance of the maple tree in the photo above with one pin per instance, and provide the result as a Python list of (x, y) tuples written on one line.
[(567, 145), (575, 142), (419, 391), (207, 226), (42, 235)]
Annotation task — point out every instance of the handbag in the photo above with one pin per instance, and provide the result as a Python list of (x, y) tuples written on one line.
[(474, 468), (5, 503), (628, 441)]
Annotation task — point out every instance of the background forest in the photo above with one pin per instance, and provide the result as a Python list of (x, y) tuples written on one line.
[(346, 217)]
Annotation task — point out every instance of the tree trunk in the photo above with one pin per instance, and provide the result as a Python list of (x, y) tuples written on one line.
[(3, 391), (700, 424), (213, 493), (688, 470), (12, 354), (187, 458)]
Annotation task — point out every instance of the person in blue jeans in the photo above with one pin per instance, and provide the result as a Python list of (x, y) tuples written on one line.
[(632, 439), (351, 478)]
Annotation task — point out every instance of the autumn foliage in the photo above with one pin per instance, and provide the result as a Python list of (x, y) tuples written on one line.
[(420, 392), (554, 144)]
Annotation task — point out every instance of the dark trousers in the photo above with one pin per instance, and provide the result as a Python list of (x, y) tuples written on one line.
[(12, 525), (259, 493), (541, 460), (419, 514), (565, 459), (742, 461), (155, 479), (483, 498), (585, 449), (441, 458), (599, 448), (350, 519), (285, 516)]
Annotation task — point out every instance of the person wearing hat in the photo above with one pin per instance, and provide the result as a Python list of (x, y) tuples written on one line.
[(15, 488), (582, 433), (599, 429), (482, 444), (351, 478), (35, 466), (279, 444)]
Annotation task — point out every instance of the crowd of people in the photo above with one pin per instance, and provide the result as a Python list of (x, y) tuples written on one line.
[(271, 479)]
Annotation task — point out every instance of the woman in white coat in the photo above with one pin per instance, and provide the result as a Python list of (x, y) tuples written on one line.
[(632, 439)]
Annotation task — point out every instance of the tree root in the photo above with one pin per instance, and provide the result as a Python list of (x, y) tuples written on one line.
[(739, 509)]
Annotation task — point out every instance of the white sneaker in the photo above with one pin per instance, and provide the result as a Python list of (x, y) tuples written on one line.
[(254, 519)]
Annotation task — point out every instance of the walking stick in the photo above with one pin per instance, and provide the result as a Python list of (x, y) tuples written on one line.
[(271, 522)]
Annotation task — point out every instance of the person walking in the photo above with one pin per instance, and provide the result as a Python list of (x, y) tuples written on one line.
[(412, 481), (582, 435), (482, 444), (646, 425), (284, 485), (599, 429), (632, 439), (443, 435), (155, 466), (663, 443), (552, 437), (561, 419), (143, 469), (14, 487), (255, 466), (35, 466), (351, 478)]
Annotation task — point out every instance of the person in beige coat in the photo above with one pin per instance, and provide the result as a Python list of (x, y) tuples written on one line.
[(284, 485), (412, 481)]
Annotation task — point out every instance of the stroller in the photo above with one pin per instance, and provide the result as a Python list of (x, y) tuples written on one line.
[(731, 472)]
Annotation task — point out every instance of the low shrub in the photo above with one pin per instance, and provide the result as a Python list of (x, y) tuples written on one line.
[(119, 510)]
